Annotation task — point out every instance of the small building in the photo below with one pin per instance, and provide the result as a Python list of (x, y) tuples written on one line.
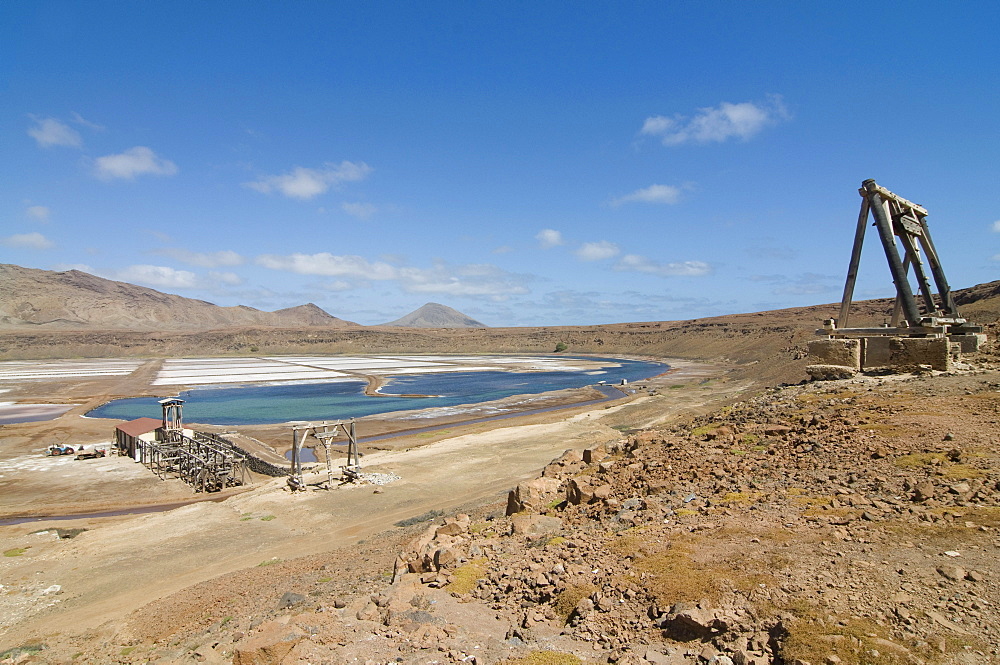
[(131, 437)]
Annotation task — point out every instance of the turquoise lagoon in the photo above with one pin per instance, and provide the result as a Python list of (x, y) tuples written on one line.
[(278, 403)]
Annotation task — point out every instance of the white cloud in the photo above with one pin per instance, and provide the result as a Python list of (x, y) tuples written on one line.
[(228, 278), (657, 124), (303, 183), (996, 226), (139, 160), (159, 276), (637, 263), (33, 240), (652, 194), (549, 238), (464, 280), (717, 124), (203, 259), (40, 213), (597, 251), (359, 210), (49, 132), (476, 279), (329, 265)]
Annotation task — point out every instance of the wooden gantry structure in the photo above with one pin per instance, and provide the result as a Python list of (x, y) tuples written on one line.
[(927, 332), (208, 462), (325, 433), (896, 217)]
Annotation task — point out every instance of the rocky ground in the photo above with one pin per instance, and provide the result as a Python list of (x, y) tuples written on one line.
[(840, 522)]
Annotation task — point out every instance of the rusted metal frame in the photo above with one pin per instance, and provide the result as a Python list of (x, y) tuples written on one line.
[(886, 235)]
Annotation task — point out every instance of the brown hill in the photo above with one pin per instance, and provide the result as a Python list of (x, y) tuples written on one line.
[(434, 315), (767, 347), (74, 299)]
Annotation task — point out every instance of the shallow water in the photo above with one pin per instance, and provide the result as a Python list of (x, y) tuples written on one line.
[(258, 405)]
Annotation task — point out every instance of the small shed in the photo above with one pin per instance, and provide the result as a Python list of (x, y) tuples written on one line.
[(131, 436)]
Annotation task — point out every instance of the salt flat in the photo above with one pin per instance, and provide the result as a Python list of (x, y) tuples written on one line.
[(19, 370), (208, 371), (219, 370)]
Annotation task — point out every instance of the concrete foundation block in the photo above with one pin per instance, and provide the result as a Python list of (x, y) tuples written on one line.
[(840, 352), (902, 353), (830, 372), (970, 343)]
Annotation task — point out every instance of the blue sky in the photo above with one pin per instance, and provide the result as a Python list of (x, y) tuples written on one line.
[(533, 163)]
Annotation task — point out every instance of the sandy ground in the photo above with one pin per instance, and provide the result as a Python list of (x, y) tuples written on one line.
[(121, 563)]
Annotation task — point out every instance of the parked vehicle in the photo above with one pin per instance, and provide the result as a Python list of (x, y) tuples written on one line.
[(61, 450), (93, 454)]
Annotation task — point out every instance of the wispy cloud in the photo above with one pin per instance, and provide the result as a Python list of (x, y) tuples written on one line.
[(136, 161), (637, 263), (82, 267), (329, 265), (227, 278), (549, 238), (808, 283), (480, 279), (442, 278), (32, 240), (597, 251), (80, 120), (996, 226), (666, 194), (359, 210), (50, 132), (203, 259), (38, 213), (302, 183), (158, 276), (717, 124)]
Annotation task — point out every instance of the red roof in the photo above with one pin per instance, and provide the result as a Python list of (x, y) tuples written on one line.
[(140, 426)]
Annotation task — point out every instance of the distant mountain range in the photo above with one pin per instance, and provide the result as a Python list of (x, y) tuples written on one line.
[(435, 315), (74, 299)]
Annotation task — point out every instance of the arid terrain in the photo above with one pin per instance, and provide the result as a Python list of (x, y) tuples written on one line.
[(729, 512)]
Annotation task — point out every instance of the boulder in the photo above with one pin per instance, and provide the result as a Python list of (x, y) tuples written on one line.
[(594, 454), (290, 599), (923, 491), (533, 495), (534, 526), (269, 646), (579, 491)]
